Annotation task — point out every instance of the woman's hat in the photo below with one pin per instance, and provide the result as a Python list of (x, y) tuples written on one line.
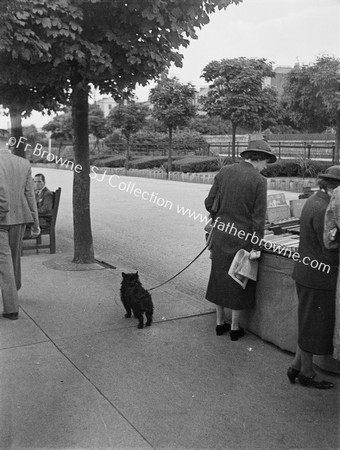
[(332, 173), (261, 146)]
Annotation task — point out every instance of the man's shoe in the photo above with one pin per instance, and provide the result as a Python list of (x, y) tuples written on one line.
[(11, 316), (236, 334)]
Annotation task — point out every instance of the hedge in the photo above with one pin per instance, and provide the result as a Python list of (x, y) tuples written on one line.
[(109, 161), (194, 164), (295, 168), (282, 168), (150, 162), (182, 141)]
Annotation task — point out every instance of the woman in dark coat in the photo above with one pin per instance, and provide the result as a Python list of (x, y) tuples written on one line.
[(331, 239), (239, 224), (315, 285)]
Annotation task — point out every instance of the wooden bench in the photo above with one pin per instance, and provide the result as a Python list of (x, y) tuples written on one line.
[(49, 230)]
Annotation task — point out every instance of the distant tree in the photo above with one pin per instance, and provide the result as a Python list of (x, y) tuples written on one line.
[(312, 96), (97, 124), (129, 119), (60, 128), (33, 136), (173, 106), (112, 45), (154, 125), (213, 125), (237, 93)]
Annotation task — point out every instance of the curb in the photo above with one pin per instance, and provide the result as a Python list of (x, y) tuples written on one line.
[(280, 184)]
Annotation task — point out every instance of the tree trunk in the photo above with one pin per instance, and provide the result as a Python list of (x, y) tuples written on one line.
[(337, 138), (16, 131), (83, 243), (233, 143), (59, 149), (127, 158), (170, 153)]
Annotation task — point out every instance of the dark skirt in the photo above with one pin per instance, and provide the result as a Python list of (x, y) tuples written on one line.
[(222, 289), (316, 315)]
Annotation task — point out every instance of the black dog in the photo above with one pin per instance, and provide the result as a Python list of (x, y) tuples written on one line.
[(134, 297)]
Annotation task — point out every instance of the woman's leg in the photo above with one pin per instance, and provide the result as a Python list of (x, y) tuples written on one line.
[(221, 326), (235, 319), (297, 359), (307, 375), (220, 318), (307, 364), (236, 331)]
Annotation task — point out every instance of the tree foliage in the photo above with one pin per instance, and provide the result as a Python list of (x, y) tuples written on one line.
[(213, 125), (60, 128), (97, 124), (312, 96), (25, 84), (68, 44), (173, 105), (237, 93), (129, 118)]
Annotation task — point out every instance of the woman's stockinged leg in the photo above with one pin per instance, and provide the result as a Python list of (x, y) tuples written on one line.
[(236, 331), (302, 368), (297, 359), (221, 326), (235, 319), (307, 364), (220, 318)]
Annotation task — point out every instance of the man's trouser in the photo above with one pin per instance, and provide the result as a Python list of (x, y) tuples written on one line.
[(7, 278), (16, 234)]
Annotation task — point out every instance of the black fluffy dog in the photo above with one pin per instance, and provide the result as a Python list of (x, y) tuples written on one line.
[(135, 298)]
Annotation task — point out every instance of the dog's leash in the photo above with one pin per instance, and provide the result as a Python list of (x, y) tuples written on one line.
[(167, 281)]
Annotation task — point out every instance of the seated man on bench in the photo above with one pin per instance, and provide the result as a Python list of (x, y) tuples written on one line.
[(44, 199)]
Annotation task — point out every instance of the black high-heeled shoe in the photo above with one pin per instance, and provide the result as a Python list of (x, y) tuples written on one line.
[(221, 329), (309, 381), (292, 374), (236, 334)]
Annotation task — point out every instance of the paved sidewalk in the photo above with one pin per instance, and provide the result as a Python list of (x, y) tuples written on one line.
[(74, 373)]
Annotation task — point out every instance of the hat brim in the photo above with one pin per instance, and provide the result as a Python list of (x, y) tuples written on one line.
[(329, 176), (271, 157)]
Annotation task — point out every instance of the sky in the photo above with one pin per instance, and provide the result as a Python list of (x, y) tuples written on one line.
[(284, 32)]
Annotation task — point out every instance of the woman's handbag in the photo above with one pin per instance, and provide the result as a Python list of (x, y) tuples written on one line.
[(209, 228)]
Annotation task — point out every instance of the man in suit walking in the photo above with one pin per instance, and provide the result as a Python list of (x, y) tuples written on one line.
[(17, 191)]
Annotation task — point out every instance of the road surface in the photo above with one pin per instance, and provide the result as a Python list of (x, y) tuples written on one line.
[(153, 226)]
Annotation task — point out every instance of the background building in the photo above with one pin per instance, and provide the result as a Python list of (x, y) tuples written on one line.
[(106, 104)]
